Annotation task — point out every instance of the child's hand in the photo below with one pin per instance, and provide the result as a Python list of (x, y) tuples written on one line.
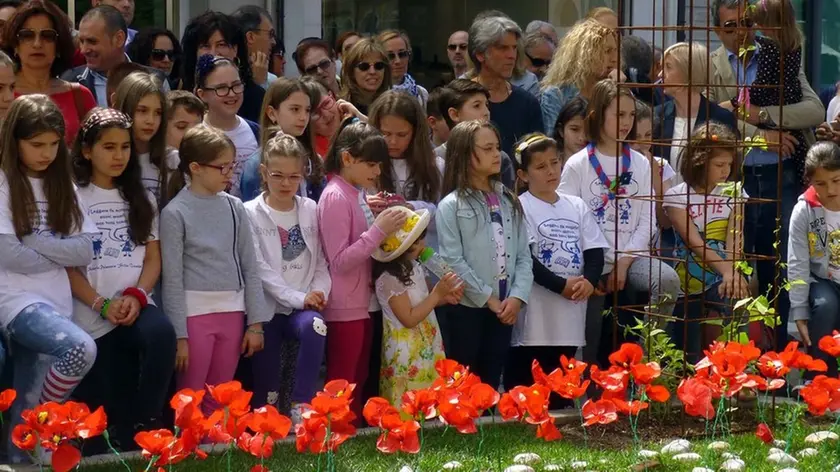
[(734, 285), (253, 340), (377, 203), (390, 220), (131, 309), (582, 290), (347, 110), (454, 297), (114, 314), (314, 301), (494, 305), (182, 355), (569, 289), (510, 310), (446, 285), (618, 277)]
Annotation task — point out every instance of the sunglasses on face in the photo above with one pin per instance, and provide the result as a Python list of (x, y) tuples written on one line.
[(28, 35), (537, 62), (323, 65), (744, 22), (365, 66), (225, 90), (401, 54), (457, 47), (160, 54), (225, 169)]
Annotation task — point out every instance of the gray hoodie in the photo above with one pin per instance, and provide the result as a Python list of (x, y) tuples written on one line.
[(807, 252)]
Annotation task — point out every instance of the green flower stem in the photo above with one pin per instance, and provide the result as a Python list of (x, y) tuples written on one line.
[(116, 453)]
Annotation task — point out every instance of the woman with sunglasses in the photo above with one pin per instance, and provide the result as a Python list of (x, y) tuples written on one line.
[(38, 38), (315, 57), (365, 75), (398, 47), (158, 48)]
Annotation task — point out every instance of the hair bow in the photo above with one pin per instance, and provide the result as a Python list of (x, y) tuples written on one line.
[(104, 118), (205, 64)]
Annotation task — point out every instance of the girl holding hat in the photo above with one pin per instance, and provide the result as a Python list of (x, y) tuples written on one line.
[(411, 340)]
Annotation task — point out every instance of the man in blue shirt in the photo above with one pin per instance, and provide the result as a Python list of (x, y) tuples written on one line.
[(763, 169)]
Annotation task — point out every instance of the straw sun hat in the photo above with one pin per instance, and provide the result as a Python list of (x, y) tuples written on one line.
[(397, 243)]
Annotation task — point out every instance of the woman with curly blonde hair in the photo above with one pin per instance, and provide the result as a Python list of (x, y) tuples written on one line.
[(587, 54)]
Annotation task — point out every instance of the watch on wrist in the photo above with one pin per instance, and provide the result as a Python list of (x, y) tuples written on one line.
[(763, 116)]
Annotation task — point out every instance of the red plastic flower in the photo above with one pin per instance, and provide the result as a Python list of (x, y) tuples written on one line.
[(763, 433), (65, 458), (259, 445), (186, 404), (772, 365), (482, 397), (627, 355), (6, 399), (630, 408), (92, 425), (822, 394), (564, 381), (452, 375), (656, 393), (614, 380), (599, 412), (232, 397), (420, 404), (645, 373), (268, 421), (375, 409), (696, 395), (399, 435), (831, 344), (24, 437)]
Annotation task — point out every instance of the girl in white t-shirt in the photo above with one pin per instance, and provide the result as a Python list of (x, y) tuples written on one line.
[(219, 86), (707, 214), (43, 229), (567, 251), (615, 183), (294, 274), (113, 303), (141, 97)]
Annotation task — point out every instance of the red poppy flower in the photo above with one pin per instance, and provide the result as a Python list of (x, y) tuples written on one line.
[(375, 409), (482, 397), (153, 443), (657, 393), (696, 395), (260, 445), (573, 366), (334, 401), (399, 435), (614, 380), (508, 407), (763, 433), (631, 408), (259, 468), (805, 361), (453, 375), (7, 398), (268, 421), (65, 458), (762, 384), (599, 412), (311, 433), (627, 355), (186, 404), (232, 397), (548, 431), (420, 403), (538, 373), (455, 410), (645, 373), (24, 437), (831, 344), (822, 394), (772, 365), (93, 425)]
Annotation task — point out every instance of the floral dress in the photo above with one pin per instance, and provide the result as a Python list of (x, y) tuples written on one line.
[(408, 354), (768, 73)]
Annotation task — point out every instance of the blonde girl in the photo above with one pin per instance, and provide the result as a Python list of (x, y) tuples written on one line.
[(483, 237)]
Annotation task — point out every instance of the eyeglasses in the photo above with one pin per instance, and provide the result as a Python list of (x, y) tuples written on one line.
[(328, 103), (744, 22), (456, 47), (225, 169), (278, 177), (160, 54), (225, 90), (324, 65), (271, 33), (537, 62), (280, 54), (401, 54), (364, 66), (29, 35)]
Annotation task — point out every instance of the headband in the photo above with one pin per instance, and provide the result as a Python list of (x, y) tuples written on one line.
[(517, 153), (205, 64), (104, 118)]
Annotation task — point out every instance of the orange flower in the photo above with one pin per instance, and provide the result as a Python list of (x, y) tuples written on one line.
[(548, 431), (420, 403), (334, 401), (269, 422), (529, 404), (631, 408), (154, 443), (573, 366), (772, 365), (599, 412), (260, 446), (399, 435), (24, 437), (831, 344), (311, 433), (645, 373), (65, 458), (627, 355), (259, 468), (482, 397), (455, 410), (564, 381), (375, 409), (822, 394), (613, 380), (231, 397), (7, 398), (452, 375), (93, 425), (656, 393), (696, 395), (805, 361), (763, 433), (186, 404)]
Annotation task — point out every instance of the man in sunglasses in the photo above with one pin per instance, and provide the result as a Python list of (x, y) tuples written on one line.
[(102, 36), (261, 37), (126, 7), (456, 50), (762, 169), (539, 49)]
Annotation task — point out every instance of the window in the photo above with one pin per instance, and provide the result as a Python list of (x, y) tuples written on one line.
[(146, 12)]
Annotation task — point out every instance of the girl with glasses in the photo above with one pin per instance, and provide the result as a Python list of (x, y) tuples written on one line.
[(219, 85), (210, 276), (158, 48), (398, 48), (365, 75)]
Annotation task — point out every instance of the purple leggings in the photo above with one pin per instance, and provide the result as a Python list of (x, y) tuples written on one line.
[(310, 330)]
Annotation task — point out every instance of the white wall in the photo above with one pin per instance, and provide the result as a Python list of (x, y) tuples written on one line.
[(303, 19), (648, 13)]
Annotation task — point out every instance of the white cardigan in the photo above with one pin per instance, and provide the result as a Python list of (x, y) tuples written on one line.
[(270, 254)]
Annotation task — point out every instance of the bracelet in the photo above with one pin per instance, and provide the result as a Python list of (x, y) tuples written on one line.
[(96, 300), (139, 294), (256, 331), (104, 310)]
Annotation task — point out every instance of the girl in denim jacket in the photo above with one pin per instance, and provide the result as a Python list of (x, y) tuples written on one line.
[(482, 235)]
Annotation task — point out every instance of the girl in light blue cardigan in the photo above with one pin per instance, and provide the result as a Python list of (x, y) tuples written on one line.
[(483, 237)]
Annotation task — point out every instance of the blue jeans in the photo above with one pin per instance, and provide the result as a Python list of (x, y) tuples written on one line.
[(824, 304), (760, 226), (41, 338), (690, 312)]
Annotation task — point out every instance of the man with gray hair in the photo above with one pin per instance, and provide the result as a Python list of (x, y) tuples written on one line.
[(542, 27), (494, 46), (539, 49)]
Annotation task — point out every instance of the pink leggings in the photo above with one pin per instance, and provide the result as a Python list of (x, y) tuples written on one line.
[(215, 342)]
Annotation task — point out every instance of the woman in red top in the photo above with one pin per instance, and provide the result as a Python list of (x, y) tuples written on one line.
[(39, 39)]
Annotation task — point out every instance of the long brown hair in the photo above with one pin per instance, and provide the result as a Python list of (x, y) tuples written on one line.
[(459, 155), (424, 180), (280, 91), (202, 145), (603, 93), (362, 141), (772, 14), (28, 117), (350, 90), (128, 95)]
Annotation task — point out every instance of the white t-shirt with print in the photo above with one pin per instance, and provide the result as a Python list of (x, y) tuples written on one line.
[(17, 291), (832, 230), (558, 233), (636, 220), (117, 261), (246, 145), (150, 174), (296, 258), (710, 214)]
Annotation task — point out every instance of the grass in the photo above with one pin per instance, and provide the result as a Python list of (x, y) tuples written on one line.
[(501, 444)]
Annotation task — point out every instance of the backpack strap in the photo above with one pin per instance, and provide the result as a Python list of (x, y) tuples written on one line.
[(78, 100)]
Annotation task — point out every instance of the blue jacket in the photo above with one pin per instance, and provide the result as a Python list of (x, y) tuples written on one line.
[(667, 112), (467, 245)]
